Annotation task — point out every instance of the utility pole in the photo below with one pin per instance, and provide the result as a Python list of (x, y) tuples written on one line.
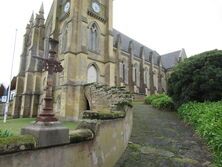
[(9, 88)]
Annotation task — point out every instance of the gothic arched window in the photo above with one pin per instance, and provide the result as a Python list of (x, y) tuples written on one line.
[(64, 39), (124, 72), (92, 74), (146, 76), (136, 74), (94, 38), (121, 69)]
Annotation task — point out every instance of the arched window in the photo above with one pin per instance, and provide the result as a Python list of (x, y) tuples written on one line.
[(58, 104), (64, 39), (155, 78), (121, 69), (94, 38), (124, 72), (146, 76), (135, 71), (136, 74), (46, 41), (92, 74)]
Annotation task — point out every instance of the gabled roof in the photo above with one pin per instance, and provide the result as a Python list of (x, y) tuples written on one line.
[(169, 60), (125, 41)]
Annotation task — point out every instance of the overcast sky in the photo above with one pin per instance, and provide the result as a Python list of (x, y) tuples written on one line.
[(162, 25)]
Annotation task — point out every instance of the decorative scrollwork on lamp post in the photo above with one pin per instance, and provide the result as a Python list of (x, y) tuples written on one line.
[(52, 65)]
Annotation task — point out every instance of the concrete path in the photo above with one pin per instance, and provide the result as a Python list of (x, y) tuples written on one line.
[(161, 139)]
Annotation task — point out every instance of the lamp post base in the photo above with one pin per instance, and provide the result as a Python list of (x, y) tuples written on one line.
[(48, 133)]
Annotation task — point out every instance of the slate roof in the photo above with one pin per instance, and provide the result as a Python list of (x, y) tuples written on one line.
[(169, 60), (125, 40)]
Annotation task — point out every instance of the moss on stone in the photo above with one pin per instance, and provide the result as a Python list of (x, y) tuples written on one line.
[(120, 105), (104, 115), (186, 160), (89, 124), (134, 147), (17, 143), (157, 151), (81, 135)]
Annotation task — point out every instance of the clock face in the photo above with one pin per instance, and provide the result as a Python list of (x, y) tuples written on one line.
[(67, 7), (96, 7)]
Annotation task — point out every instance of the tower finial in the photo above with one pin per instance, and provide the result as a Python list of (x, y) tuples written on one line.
[(32, 17), (41, 10), (40, 16)]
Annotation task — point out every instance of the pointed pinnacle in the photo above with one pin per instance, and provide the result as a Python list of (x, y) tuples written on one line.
[(41, 10), (32, 18)]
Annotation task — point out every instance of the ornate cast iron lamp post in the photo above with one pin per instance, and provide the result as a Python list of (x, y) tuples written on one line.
[(48, 130), (51, 65)]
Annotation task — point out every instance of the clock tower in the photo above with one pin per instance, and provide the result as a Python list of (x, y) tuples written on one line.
[(84, 31), (88, 52)]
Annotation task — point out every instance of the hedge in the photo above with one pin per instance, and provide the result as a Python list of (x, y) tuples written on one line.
[(197, 78), (160, 101), (206, 118)]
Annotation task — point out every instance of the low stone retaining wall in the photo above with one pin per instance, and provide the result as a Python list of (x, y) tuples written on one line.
[(96, 143), (102, 98)]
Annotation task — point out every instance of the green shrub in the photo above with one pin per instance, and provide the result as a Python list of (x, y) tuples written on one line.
[(149, 99), (207, 120), (5, 133), (197, 78), (160, 101)]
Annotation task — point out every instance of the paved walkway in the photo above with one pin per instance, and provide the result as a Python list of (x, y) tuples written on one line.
[(161, 139)]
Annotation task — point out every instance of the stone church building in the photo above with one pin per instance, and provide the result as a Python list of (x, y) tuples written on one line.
[(90, 50)]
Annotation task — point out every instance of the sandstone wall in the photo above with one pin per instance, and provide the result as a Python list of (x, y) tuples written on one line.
[(111, 139), (102, 98)]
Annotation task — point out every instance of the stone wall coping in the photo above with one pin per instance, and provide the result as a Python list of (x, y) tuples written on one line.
[(17, 143), (103, 115), (81, 135), (85, 131)]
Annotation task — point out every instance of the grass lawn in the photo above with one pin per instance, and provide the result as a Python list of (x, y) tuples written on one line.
[(15, 125)]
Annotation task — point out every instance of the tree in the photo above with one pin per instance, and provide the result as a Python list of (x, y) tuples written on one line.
[(2, 89), (198, 78)]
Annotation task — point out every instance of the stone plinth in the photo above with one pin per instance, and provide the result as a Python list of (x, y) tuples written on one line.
[(48, 133)]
